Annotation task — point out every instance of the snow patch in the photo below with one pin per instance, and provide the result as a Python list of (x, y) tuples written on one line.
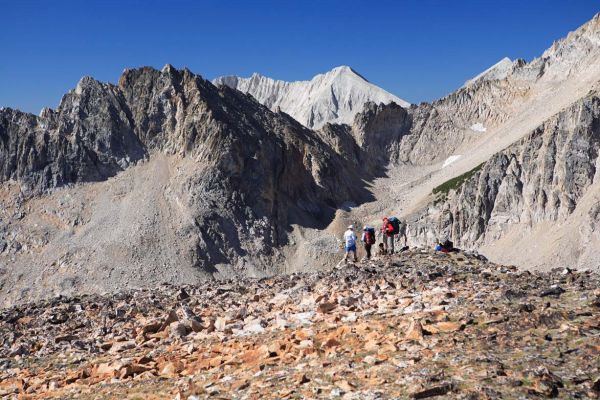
[(450, 160), (478, 127)]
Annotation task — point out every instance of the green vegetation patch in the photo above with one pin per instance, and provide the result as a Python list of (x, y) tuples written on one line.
[(455, 182)]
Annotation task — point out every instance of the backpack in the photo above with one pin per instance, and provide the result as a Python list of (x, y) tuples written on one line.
[(396, 224), (370, 236)]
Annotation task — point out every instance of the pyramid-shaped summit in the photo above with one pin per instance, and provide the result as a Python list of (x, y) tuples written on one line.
[(333, 97)]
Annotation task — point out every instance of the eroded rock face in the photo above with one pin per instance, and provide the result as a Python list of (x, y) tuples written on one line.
[(374, 139), (90, 137), (540, 178), (434, 131)]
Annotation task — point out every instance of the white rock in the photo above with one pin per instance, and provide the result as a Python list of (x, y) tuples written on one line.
[(450, 160), (478, 127), (500, 70)]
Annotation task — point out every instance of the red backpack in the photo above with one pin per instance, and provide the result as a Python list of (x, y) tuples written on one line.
[(370, 236)]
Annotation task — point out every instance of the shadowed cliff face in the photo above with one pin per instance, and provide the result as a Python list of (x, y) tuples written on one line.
[(100, 129)]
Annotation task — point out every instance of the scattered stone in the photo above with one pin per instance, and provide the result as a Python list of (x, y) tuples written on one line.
[(372, 331), (182, 295), (326, 307), (415, 330), (179, 329), (220, 324), (122, 346)]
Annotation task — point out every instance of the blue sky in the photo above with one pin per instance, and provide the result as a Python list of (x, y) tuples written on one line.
[(418, 50)]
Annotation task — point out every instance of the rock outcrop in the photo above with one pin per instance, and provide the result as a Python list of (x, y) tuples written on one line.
[(90, 137)]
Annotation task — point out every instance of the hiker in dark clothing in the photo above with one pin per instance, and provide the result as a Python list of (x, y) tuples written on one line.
[(402, 233), (368, 238)]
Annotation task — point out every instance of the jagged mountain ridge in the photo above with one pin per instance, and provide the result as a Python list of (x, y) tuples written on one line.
[(191, 178), (534, 202), (333, 97)]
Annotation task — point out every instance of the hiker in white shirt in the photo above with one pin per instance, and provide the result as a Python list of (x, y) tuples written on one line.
[(350, 242)]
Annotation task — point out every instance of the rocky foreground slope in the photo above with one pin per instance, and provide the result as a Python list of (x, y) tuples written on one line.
[(415, 325)]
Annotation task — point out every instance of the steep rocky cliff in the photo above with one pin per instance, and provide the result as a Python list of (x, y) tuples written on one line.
[(541, 178), (88, 138)]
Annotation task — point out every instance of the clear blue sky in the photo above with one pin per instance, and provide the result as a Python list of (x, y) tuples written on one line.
[(419, 50)]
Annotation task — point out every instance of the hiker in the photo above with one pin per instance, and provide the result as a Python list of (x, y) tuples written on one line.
[(350, 242), (387, 231), (368, 238)]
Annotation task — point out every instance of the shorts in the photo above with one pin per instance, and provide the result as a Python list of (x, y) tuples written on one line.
[(351, 248)]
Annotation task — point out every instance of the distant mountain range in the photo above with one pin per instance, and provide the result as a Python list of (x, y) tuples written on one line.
[(333, 97), (169, 178)]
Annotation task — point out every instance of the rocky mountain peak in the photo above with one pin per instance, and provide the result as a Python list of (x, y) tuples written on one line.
[(500, 70), (168, 68), (234, 168), (332, 97), (345, 70)]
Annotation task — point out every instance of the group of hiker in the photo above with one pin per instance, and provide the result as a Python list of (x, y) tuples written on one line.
[(390, 228)]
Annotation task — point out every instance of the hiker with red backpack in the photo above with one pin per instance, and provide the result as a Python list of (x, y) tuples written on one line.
[(368, 238), (390, 228), (387, 231)]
